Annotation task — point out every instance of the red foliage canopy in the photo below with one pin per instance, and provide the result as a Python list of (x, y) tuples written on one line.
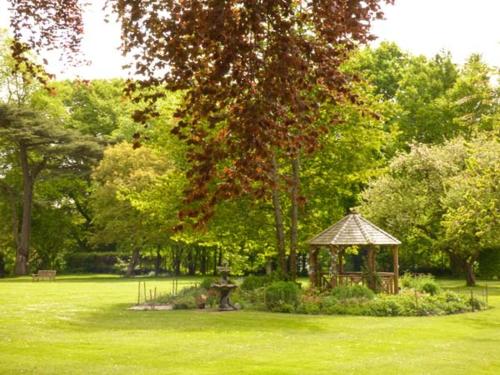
[(255, 73)]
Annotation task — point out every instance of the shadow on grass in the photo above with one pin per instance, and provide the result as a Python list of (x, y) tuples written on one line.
[(100, 278), (118, 317)]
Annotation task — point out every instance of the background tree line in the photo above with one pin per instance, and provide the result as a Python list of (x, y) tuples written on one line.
[(417, 150)]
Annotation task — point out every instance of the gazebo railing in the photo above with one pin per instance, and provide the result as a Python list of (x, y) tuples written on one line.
[(385, 279)]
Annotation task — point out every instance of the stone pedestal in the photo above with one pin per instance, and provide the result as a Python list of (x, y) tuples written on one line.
[(224, 291)]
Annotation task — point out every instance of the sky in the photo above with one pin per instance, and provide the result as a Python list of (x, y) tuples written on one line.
[(423, 27)]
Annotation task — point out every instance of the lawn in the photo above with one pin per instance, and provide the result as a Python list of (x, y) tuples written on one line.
[(80, 325)]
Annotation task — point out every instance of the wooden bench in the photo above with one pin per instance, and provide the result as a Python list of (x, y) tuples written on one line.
[(44, 275)]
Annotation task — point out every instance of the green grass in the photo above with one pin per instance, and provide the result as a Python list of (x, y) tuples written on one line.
[(80, 325)]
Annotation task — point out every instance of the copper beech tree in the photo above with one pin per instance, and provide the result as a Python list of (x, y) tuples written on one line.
[(256, 74)]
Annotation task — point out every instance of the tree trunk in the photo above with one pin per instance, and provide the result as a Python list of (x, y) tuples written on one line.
[(203, 261), (22, 255), (133, 262), (303, 262), (269, 267), (214, 272), (278, 220), (294, 195), (177, 261), (469, 273), (157, 261), (191, 263), (456, 264), (219, 259), (2, 266)]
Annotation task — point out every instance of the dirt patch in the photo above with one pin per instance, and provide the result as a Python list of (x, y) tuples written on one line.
[(151, 307)]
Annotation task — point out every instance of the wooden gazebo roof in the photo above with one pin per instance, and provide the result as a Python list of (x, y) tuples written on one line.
[(353, 229)]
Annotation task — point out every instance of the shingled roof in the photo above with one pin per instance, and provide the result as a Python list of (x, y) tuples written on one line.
[(354, 229)]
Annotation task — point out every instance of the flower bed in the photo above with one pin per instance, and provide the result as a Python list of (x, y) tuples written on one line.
[(420, 296)]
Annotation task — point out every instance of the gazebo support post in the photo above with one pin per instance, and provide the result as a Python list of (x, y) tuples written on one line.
[(340, 265), (372, 284), (313, 266), (395, 258), (333, 265), (341, 260)]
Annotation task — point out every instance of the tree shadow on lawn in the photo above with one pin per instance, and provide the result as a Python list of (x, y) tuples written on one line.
[(93, 278), (479, 289), (117, 317)]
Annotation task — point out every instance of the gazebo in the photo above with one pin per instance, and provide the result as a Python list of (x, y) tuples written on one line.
[(353, 230)]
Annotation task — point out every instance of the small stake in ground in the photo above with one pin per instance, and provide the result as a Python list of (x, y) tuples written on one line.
[(174, 286), (139, 294)]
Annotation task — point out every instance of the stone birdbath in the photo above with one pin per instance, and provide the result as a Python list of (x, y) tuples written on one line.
[(224, 288)]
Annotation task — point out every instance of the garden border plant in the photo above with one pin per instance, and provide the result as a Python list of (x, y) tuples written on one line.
[(420, 295)]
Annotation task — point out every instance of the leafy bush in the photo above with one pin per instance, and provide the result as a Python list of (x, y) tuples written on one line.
[(408, 303), (186, 302), (476, 304), (489, 263), (354, 291), (310, 304), (421, 283), (250, 299), (430, 287), (351, 306), (95, 262), (253, 282), (385, 306), (207, 282), (282, 296), (185, 299)]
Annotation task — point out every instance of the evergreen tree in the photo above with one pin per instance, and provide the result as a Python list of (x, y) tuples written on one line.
[(35, 145)]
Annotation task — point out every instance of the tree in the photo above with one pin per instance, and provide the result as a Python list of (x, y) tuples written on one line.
[(351, 155), (253, 72), (35, 144), (383, 67), (440, 198), (475, 101), (429, 100), (135, 199), (471, 222)]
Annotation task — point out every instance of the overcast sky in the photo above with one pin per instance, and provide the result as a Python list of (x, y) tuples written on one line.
[(418, 26)]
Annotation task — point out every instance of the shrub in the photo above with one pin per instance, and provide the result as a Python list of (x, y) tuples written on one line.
[(310, 304), (350, 306), (430, 287), (207, 282), (95, 262), (422, 283), (250, 299), (355, 300), (476, 304), (409, 304), (253, 282), (354, 291), (385, 306), (186, 299), (489, 263), (185, 302), (282, 296)]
